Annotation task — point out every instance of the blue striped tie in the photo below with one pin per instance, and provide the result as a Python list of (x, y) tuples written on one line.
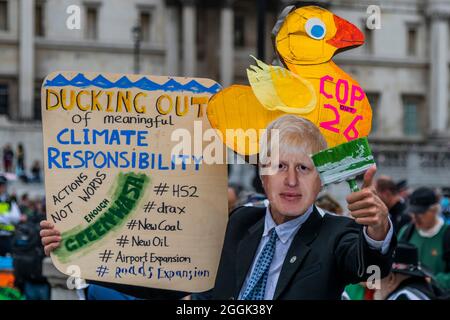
[(256, 286)]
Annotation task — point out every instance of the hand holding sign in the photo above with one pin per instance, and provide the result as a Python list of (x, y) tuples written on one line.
[(51, 238)]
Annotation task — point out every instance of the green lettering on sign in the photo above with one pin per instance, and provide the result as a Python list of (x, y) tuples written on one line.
[(129, 190)]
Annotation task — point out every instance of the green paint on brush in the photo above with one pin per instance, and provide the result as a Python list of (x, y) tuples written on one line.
[(344, 162)]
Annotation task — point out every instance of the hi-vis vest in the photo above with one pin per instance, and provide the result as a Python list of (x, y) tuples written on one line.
[(5, 208)]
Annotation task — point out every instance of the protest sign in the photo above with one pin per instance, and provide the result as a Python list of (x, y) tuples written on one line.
[(129, 208)]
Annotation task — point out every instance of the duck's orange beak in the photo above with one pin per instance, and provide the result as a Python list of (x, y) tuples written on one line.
[(347, 34)]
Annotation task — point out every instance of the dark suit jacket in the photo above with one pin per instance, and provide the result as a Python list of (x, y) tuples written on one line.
[(330, 252)]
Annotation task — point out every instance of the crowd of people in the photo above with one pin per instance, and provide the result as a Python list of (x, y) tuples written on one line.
[(14, 163), (419, 217), (21, 250)]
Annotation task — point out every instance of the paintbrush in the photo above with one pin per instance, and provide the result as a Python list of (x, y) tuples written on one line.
[(344, 162)]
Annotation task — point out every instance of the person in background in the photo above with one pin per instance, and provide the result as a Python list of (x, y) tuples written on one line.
[(328, 203), (445, 204), (403, 189), (358, 291), (388, 192), (253, 199), (240, 173), (8, 158), (444, 201), (9, 217), (407, 280), (26, 205), (28, 254), (234, 191), (20, 168), (36, 172), (429, 234)]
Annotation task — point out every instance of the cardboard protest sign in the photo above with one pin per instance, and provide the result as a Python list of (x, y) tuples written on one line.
[(132, 209), (309, 84)]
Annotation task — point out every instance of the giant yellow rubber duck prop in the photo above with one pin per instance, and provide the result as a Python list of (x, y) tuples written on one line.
[(309, 85)]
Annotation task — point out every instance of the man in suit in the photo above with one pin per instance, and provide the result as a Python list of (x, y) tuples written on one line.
[(292, 250)]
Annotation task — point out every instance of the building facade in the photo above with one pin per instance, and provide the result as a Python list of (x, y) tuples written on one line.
[(403, 67)]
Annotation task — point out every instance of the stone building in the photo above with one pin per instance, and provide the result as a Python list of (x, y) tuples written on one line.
[(403, 67)]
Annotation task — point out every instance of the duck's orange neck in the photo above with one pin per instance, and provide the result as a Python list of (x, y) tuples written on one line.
[(313, 69)]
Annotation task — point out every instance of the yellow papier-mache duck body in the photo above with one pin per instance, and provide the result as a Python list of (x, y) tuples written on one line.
[(310, 85)]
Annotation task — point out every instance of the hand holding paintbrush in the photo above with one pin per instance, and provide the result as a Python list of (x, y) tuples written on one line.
[(343, 163), (368, 209)]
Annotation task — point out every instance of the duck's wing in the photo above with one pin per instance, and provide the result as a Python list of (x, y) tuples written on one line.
[(238, 117), (280, 89)]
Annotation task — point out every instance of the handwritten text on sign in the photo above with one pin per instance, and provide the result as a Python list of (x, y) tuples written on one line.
[(128, 209)]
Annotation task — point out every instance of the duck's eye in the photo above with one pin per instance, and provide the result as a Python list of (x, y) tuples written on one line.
[(315, 28)]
